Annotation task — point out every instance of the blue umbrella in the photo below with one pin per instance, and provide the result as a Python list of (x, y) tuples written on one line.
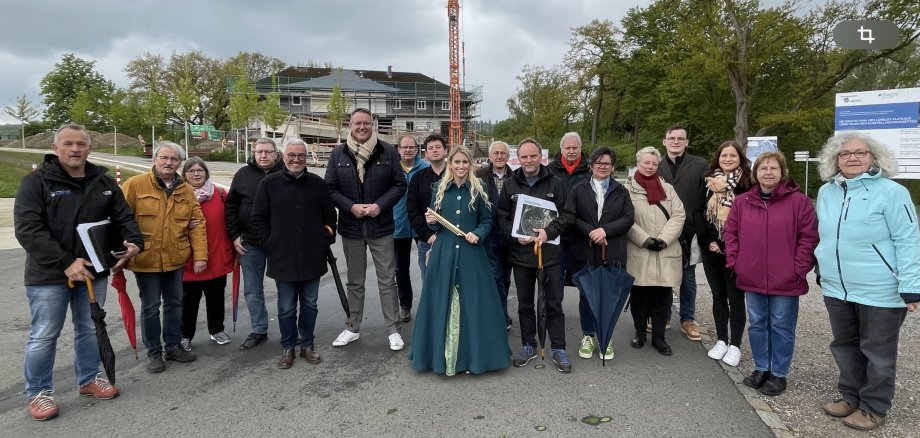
[(606, 290)]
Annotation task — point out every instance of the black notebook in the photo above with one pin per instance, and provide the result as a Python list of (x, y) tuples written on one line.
[(100, 239)]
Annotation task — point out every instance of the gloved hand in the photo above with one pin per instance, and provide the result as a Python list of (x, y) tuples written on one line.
[(661, 243), (656, 245), (648, 242)]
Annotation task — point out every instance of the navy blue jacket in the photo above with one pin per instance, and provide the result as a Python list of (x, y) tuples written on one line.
[(384, 184)]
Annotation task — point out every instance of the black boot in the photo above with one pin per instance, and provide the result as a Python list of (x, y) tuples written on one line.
[(662, 346), (639, 340)]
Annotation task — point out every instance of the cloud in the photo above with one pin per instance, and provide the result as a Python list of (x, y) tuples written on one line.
[(410, 35)]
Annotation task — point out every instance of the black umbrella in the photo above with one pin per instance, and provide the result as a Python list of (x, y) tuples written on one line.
[(330, 257), (541, 299), (106, 353), (606, 289)]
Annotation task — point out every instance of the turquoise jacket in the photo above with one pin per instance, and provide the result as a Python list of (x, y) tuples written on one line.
[(400, 215), (869, 249)]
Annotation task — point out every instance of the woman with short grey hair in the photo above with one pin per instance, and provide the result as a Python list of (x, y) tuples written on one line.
[(869, 261)]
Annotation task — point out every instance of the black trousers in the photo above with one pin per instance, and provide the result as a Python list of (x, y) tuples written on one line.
[(728, 308), (865, 347), (650, 302), (403, 248), (525, 279), (213, 291)]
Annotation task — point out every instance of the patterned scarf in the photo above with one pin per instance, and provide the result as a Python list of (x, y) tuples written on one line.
[(722, 189), (362, 152), (204, 192)]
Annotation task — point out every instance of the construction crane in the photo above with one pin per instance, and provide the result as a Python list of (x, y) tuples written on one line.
[(455, 133)]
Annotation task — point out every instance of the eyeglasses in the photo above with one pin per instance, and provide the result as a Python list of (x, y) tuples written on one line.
[(408, 148), (263, 152), (676, 138), (195, 171), (603, 164), (847, 154), (296, 156), (169, 159)]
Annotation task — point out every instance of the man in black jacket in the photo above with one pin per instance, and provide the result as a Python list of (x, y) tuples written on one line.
[(493, 175), (293, 220), (534, 179), (64, 192), (366, 181), (418, 195), (264, 160), (685, 172)]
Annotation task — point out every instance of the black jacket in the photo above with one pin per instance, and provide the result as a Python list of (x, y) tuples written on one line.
[(50, 204), (238, 205), (581, 174), (384, 184), (617, 217), (485, 174), (686, 175), (547, 187), (288, 221), (418, 198)]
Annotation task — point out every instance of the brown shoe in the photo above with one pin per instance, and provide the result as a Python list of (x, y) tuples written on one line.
[(287, 358), (688, 327), (99, 388), (864, 420), (310, 355), (839, 408), (42, 406)]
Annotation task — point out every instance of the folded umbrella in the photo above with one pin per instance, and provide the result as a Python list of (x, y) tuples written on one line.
[(106, 353), (606, 290), (330, 258), (236, 290), (128, 315), (541, 300)]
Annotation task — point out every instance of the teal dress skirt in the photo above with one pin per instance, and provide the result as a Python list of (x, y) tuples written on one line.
[(460, 324)]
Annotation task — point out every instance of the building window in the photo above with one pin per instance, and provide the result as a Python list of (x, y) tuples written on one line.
[(410, 126), (296, 101), (421, 104), (445, 105), (397, 104)]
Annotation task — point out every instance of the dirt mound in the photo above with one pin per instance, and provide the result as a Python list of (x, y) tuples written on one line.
[(108, 140)]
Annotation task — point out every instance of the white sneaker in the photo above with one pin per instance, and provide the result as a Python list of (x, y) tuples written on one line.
[(185, 344), (718, 352), (345, 338), (732, 357), (396, 342)]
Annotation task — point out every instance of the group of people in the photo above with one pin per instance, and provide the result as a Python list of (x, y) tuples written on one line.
[(756, 235)]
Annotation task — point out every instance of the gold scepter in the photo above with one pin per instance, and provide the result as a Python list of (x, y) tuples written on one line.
[(446, 223)]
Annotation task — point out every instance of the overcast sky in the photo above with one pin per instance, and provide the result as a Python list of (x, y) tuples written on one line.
[(411, 35)]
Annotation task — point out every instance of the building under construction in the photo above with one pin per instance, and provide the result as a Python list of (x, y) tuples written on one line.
[(402, 102)]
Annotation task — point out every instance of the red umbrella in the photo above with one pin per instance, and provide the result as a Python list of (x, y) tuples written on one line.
[(127, 308), (236, 289)]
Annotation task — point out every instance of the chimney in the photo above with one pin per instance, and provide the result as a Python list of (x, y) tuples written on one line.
[(390, 71)]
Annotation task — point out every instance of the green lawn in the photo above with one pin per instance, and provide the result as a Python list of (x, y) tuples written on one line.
[(14, 165)]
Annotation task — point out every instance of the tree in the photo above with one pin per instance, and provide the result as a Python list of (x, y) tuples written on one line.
[(594, 53), (253, 65), (92, 107), (544, 103), (23, 110), (244, 105), (272, 113), (184, 100), (70, 77), (336, 110)]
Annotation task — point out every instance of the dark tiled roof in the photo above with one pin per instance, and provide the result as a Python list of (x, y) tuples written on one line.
[(374, 75)]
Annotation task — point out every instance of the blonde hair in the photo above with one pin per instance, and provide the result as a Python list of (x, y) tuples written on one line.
[(476, 189)]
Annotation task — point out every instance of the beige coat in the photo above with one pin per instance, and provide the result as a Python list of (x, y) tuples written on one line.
[(655, 268)]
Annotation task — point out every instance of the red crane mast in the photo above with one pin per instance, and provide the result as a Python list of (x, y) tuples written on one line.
[(455, 133)]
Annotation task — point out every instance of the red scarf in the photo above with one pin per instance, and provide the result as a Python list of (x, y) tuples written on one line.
[(570, 167), (652, 185)]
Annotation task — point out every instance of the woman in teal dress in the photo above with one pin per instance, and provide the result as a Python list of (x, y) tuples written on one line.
[(460, 324)]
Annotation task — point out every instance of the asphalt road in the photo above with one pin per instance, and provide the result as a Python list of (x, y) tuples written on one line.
[(364, 389)]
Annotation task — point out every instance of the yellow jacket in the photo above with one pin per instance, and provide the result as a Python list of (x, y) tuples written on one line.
[(164, 224)]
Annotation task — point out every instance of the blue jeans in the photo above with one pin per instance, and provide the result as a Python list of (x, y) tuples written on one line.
[(688, 294), (252, 264), (48, 305), (771, 331), (290, 324), (423, 248), (160, 288)]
